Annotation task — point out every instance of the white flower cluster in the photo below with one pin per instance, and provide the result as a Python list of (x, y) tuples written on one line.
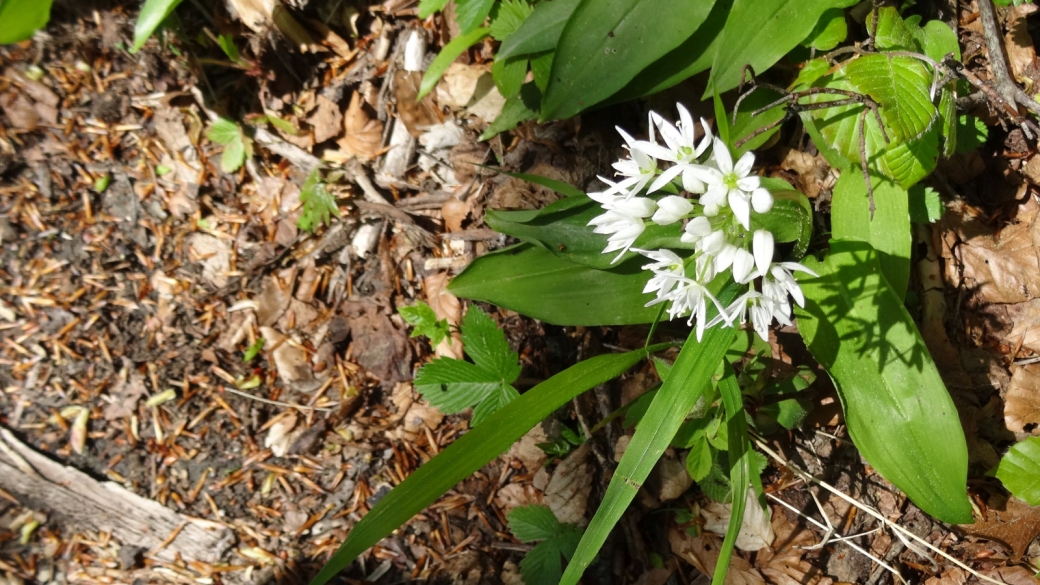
[(717, 226)]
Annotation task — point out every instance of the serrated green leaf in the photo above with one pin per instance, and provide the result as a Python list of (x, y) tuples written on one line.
[(533, 523), (452, 385), (1019, 470), (500, 396), (939, 40), (607, 42), (925, 205), (900, 85), (698, 460), (234, 155), (153, 13), (897, 409), (486, 345), (428, 7), (892, 32), (471, 14), (472, 451), (318, 204), (911, 161), (22, 18), (424, 322), (511, 15), (224, 131), (715, 485)]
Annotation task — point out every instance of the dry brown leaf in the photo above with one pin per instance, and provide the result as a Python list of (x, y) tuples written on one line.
[(670, 477), (786, 565), (290, 360), (514, 495), (1002, 267), (19, 111), (1016, 526), (568, 491), (416, 115), (1019, 44), (274, 298), (124, 394), (1022, 402), (363, 134), (756, 531), (954, 576), (703, 552), (326, 119), (459, 83), (1016, 575), (527, 449), (454, 211)]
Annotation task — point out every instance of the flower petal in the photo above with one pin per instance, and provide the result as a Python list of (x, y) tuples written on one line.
[(671, 209), (761, 200), (722, 157), (664, 178), (741, 208), (743, 166), (763, 247)]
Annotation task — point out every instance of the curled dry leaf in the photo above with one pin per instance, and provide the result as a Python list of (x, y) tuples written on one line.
[(756, 531), (786, 564), (1022, 402), (290, 360), (78, 434), (568, 491), (416, 115), (363, 133)]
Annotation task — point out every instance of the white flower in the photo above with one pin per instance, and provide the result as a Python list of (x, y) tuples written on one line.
[(762, 245), (692, 298), (733, 184), (623, 220), (668, 273), (671, 209), (682, 149), (780, 277), (638, 169), (761, 307), (742, 262), (696, 229)]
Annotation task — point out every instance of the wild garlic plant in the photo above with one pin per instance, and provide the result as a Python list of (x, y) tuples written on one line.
[(719, 224)]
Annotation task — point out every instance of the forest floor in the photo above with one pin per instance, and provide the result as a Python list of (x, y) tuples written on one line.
[(135, 274)]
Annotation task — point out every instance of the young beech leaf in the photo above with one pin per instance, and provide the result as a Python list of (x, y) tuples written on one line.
[(318, 204), (424, 321), (453, 385), (542, 564), (236, 146)]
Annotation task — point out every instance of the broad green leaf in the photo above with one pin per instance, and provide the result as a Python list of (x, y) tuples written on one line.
[(234, 155), (511, 14), (900, 85), (153, 12), (318, 204), (543, 565), (22, 18), (739, 471), (778, 26), (472, 451), (721, 120), (1019, 470), (541, 69), (898, 412), (509, 75), (888, 231), (223, 131), (688, 59), (428, 7), (534, 282), (940, 40), (688, 387), (563, 229), (540, 31), (446, 57), (972, 133), (470, 14), (829, 32), (746, 125), (517, 109), (925, 204), (605, 43), (948, 121)]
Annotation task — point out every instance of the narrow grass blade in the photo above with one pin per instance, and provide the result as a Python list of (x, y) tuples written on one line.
[(739, 468), (688, 385), (447, 56), (473, 450)]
